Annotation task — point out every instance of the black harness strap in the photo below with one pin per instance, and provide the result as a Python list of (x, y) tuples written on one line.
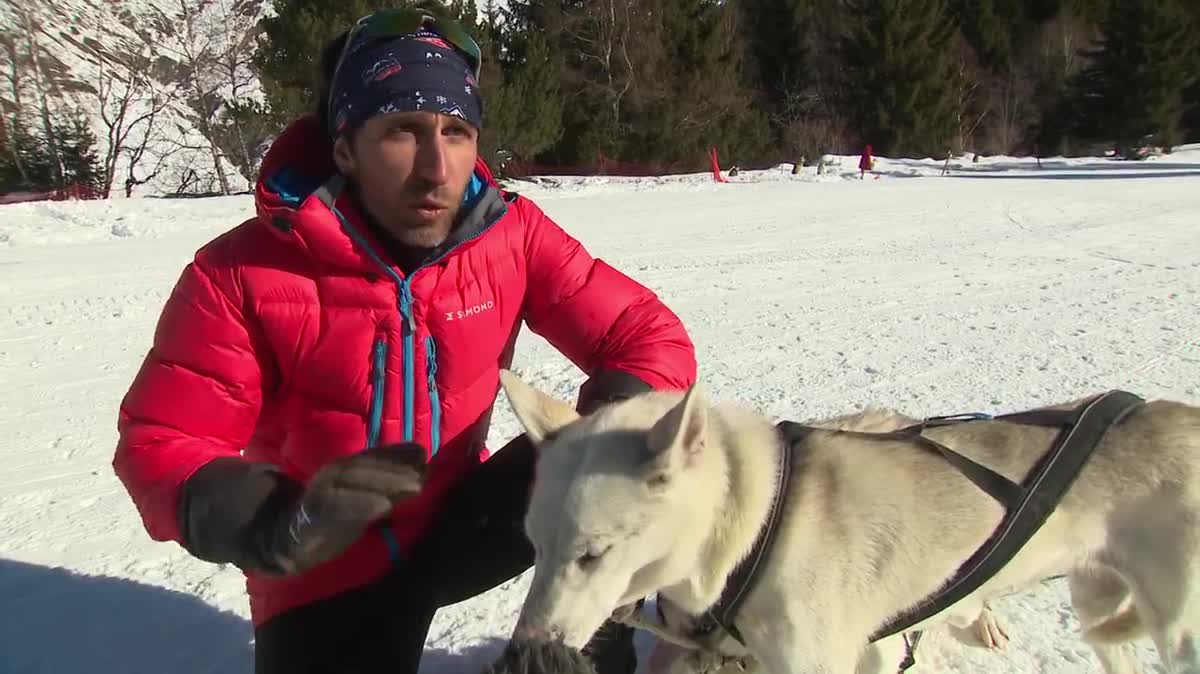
[(1028, 505), (742, 580), (1042, 490), (1004, 490)]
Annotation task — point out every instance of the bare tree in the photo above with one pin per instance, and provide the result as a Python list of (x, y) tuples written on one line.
[(198, 53), (970, 76), (135, 156), (810, 125), (8, 49), (603, 34), (128, 106), (234, 62), (153, 145), (42, 87)]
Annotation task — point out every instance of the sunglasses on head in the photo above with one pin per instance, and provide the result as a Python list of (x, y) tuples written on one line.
[(392, 23)]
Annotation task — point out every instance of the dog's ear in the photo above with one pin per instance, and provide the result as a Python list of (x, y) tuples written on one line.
[(538, 413), (677, 438)]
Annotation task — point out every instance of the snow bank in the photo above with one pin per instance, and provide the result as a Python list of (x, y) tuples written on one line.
[(991, 289)]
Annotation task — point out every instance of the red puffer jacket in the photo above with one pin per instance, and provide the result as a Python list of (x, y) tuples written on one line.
[(291, 338)]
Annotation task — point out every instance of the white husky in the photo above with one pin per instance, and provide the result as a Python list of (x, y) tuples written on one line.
[(666, 494)]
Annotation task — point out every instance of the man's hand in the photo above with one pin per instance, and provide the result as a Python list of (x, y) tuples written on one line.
[(341, 501)]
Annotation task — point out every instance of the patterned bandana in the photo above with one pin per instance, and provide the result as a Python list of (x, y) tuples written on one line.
[(415, 72)]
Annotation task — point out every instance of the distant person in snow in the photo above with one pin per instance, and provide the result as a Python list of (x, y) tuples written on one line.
[(866, 162), (318, 394)]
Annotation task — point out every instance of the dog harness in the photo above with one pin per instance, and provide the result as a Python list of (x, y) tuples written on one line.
[(1027, 505)]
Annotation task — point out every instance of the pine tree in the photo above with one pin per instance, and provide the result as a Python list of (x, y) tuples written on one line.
[(902, 65), (523, 108), (602, 48), (695, 93), (82, 168), (1191, 95), (243, 131), (779, 32), (1054, 58), (32, 167), (522, 79), (996, 29), (789, 60), (1133, 91)]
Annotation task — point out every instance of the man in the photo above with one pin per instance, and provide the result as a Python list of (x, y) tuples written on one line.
[(320, 386)]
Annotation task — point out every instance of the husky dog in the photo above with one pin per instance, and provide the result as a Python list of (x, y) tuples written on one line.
[(664, 493), (527, 656)]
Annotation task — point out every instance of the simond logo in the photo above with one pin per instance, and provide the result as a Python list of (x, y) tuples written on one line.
[(462, 314)]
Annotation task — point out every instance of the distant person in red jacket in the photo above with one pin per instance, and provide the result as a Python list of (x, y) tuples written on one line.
[(316, 401), (866, 162)]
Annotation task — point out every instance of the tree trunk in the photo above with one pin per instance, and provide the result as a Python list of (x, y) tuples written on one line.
[(47, 127), (207, 130), (216, 157), (11, 134)]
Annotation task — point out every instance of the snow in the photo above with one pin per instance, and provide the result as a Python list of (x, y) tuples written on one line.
[(996, 288)]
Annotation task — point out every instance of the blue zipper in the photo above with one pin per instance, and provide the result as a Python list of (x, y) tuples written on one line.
[(435, 432), (378, 367), (409, 328), (406, 301)]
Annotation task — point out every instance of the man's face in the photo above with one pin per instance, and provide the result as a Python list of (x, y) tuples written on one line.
[(411, 170)]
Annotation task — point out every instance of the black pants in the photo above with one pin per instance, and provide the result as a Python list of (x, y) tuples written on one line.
[(477, 543)]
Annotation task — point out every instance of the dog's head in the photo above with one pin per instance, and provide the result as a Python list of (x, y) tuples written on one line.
[(615, 492), (526, 656)]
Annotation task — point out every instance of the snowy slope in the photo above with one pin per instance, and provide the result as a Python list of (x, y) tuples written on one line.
[(991, 290), (79, 38), (76, 36)]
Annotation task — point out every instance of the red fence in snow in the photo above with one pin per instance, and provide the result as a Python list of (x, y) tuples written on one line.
[(70, 192)]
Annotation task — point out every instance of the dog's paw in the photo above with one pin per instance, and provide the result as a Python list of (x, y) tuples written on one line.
[(991, 633)]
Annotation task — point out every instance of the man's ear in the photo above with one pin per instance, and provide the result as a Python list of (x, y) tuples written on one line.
[(343, 156), (540, 414)]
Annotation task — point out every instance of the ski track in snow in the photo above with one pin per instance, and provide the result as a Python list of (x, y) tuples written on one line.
[(805, 297)]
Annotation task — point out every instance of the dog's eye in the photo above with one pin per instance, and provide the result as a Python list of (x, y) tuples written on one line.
[(589, 558)]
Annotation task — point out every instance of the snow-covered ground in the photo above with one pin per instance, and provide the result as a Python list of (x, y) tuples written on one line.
[(996, 288)]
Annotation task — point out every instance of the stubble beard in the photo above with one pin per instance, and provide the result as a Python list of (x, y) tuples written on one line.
[(422, 233)]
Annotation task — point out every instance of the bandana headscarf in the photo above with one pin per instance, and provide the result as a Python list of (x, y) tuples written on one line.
[(420, 71)]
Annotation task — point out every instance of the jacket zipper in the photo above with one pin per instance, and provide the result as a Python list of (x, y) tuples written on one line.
[(378, 369), (409, 330), (404, 302), (435, 424)]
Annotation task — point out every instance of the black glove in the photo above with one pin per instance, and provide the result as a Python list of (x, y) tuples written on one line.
[(254, 516), (341, 501)]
